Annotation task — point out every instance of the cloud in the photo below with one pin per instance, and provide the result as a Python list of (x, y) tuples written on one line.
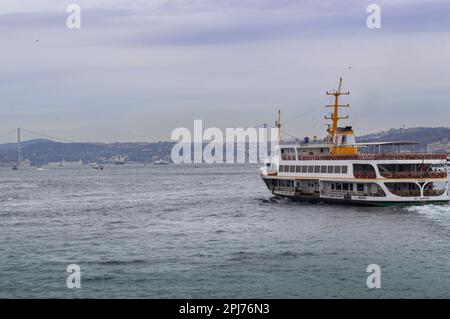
[(150, 66)]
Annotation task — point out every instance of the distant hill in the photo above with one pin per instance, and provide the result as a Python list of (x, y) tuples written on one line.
[(422, 135), (41, 151), (13, 146)]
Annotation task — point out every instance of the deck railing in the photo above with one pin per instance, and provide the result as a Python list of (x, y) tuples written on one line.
[(434, 192), (365, 175), (371, 157), (406, 193), (288, 157), (429, 174)]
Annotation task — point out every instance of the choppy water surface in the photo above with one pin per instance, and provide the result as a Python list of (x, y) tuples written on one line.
[(206, 232)]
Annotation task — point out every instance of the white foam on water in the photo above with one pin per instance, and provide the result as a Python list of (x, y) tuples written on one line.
[(440, 213)]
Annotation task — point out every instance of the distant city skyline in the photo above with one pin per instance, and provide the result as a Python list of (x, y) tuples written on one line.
[(136, 70)]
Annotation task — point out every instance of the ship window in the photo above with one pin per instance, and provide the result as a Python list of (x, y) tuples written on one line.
[(292, 169), (298, 169), (344, 169), (360, 187), (330, 169), (332, 185), (304, 169), (323, 169), (339, 186), (345, 186), (310, 169), (437, 188), (316, 169), (281, 168), (337, 169), (404, 189)]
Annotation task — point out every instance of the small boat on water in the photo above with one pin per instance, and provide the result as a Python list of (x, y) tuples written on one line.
[(15, 168), (120, 160), (96, 166), (161, 162)]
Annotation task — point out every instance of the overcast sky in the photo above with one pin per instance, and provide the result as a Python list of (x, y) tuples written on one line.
[(138, 69)]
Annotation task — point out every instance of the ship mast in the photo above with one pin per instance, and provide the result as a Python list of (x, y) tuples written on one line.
[(278, 127), (342, 139), (335, 116)]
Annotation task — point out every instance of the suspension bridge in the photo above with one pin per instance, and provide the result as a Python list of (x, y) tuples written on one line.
[(19, 135)]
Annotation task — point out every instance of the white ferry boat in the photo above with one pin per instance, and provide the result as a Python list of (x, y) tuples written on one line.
[(337, 169), (119, 159), (161, 162)]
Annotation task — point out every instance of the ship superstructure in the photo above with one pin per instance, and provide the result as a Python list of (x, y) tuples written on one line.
[(339, 169)]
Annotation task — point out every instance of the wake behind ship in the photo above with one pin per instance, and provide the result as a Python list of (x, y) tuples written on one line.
[(337, 169)]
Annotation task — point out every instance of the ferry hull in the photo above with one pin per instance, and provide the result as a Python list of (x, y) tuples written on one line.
[(312, 199), (317, 194)]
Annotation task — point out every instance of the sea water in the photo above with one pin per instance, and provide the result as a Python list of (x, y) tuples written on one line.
[(212, 231)]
